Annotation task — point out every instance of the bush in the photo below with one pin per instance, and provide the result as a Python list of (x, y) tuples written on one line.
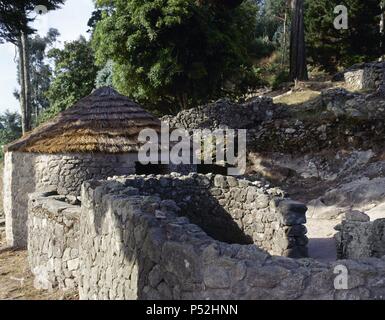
[(279, 78), (176, 54), (10, 129)]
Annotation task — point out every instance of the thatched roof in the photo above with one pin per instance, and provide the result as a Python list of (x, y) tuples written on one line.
[(103, 122)]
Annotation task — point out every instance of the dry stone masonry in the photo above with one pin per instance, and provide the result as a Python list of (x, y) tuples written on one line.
[(364, 76), (96, 138), (26, 173), (53, 240), (228, 209), (225, 114), (234, 210), (137, 246), (66, 173), (337, 119), (358, 237), (198, 236), (141, 237)]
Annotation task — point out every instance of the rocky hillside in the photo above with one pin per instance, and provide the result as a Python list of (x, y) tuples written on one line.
[(327, 152)]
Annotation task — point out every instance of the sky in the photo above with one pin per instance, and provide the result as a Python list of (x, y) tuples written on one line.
[(71, 21)]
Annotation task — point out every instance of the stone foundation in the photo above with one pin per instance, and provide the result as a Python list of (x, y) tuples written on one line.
[(133, 243), (53, 241), (136, 246), (229, 210), (359, 238), (232, 210)]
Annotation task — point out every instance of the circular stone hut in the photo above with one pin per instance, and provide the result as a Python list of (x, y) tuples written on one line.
[(95, 139)]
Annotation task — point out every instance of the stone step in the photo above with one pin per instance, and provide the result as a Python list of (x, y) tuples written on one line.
[(2, 222)]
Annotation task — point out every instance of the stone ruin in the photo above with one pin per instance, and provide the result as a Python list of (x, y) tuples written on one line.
[(53, 240), (363, 76), (360, 238), (344, 120), (207, 236), (228, 210), (184, 237)]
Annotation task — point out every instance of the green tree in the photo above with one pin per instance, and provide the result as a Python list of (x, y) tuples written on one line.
[(10, 129), (15, 17), (40, 71), (270, 18), (273, 24), (74, 76), (105, 75), (298, 58), (176, 54), (331, 48)]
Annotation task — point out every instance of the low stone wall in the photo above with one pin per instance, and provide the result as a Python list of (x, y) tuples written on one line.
[(135, 246), (227, 114), (233, 210), (358, 237), (53, 241), (335, 120), (25, 173), (365, 76)]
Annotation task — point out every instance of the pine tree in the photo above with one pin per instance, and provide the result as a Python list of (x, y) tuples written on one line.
[(14, 28), (298, 63), (40, 72), (332, 48), (73, 77), (176, 54)]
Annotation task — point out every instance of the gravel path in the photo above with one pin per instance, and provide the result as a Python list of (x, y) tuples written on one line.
[(321, 242)]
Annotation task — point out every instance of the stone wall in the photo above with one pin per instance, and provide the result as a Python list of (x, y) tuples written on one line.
[(358, 237), (138, 247), (226, 114), (26, 173), (337, 119), (365, 76), (233, 210), (53, 241), (229, 210), (66, 173), (18, 182)]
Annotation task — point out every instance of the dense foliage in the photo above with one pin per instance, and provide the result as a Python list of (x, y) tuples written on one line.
[(10, 128), (332, 48), (15, 18), (40, 72), (176, 54), (73, 77), (105, 75)]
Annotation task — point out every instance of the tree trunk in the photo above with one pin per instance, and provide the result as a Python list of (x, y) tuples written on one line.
[(382, 29), (298, 67), (381, 88), (26, 74), (22, 85), (284, 41)]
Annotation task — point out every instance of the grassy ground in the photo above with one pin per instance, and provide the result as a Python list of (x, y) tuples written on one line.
[(297, 97)]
